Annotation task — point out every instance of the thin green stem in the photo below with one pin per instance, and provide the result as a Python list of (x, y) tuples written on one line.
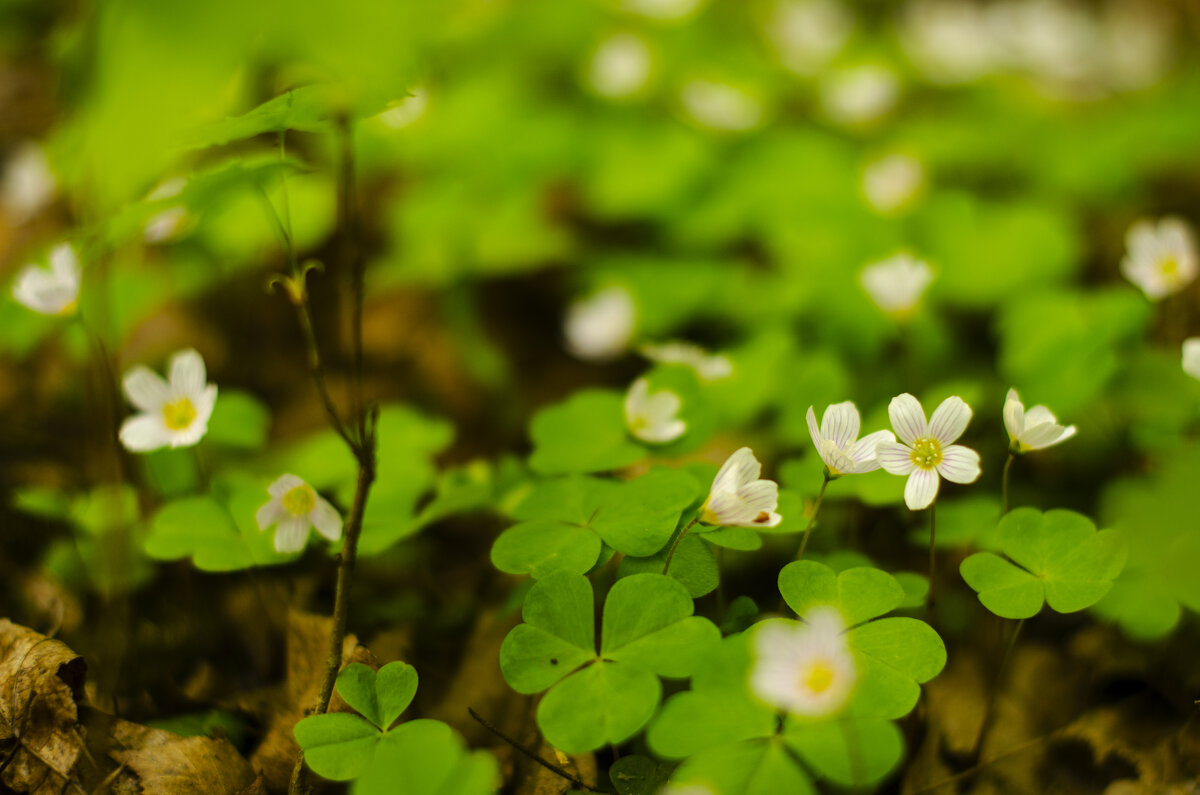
[(932, 556), (853, 751), (1004, 484), (678, 538), (812, 520), (989, 714)]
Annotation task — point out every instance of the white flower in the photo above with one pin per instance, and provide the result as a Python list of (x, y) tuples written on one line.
[(620, 67), (949, 41), (808, 34), (896, 284), (53, 290), (892, 182), (28, 183), (295, 506), (1191, 356), (835, 440), (600, 327), (1160, 258), (1033, 429), (721, 106), (738, 497), (653, 418), (925, 450), (171, 222), (709, 366), (174, 413), (665, 10), (859, 95), (806, 669)]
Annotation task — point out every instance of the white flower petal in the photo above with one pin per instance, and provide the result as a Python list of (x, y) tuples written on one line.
[(1191, 356), (144, 432), (326, 519), (1014, 414), (895, 458), (271, 512), (146, 389), (959, 464), (739, 469), (865, 453), (838, 462), (192, 434), (813, 430), (1039, 415), (64, 264), (921, 488), (949, 420), (204, 404), (908, 418), (292, 534), (840, 424), (187, 373), (283, 484), (1045, 435)]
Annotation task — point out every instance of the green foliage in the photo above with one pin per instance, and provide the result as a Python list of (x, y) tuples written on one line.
[(239, 420), (638, 775), (606, 696), (1056, 557), (584, 433)]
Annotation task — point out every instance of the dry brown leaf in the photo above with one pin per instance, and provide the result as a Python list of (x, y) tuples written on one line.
[(158, 762), (41, 686)]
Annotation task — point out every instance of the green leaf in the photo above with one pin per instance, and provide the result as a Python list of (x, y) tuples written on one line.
[(1007, 590), (557, 637), (860, 593), (648, 620), (751, 767), (850, 752), (694, 565), (640, 518), (337, 745), (308, 109), (542, 548), (380, 696), (240, 420), (894, 656), (585, 433), (215, 536), (605, 703), (741, 538), (426, 757), (638, 775), (916, 588)]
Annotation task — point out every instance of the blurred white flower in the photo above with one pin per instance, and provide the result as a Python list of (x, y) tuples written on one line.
[(892, 182), (295, 507), (53, 290), (1138, 42), (600, 326), (1033, 429), (738, 498), (29, 184), (1160, 258), (171, 222), (949, 41), (721, 106), (896, 284), (1055, 40), (620, 67), (174, 413), (665, 10), (654, 417), (837, 440), (708, 366), (859, 95), (1191, 357), (926, 450), (806, 669), (808, 34), (408, 110)]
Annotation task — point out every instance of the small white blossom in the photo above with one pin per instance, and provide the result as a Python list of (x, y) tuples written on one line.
[(1160, 258), (859, 95), (738, 498), (838, 444), (892, 182), (664, 10), (1191, 357), (808, 34), (806, 669), (174, 413), (949, 41), (708, 366), (295, 506), (172, 222), (721, 106), (1033, 429), (53, 290), (926, 450), (654, 417), (28, 183), (896, 284), (601, 326), (620, 67)]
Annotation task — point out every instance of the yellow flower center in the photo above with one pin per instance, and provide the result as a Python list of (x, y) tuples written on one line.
[(179, 414), (1168, 268), (818, 677), (926, 453), (299, 500)]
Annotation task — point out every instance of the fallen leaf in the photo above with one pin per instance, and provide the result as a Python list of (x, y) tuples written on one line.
[(158, 762)]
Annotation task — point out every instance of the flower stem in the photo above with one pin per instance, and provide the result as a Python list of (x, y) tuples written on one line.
[(1004, 484), (989, 714), (678, 538), (932, 555), (812, 520)]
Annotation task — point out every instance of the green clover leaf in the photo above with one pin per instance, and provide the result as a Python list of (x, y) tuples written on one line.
[(648, 631), (1056, 557), (584, 433)]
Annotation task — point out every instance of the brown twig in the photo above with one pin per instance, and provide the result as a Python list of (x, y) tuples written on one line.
[(534, 755)]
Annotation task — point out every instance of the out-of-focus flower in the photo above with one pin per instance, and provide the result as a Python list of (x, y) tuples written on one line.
[(1191, 357), (808, 34), (1160, 258), (896, 284), (620, 67), (53, 290), (600, 326), (653, 418), (806, 669), (721, 106), (1033, 429), (406, 111), (709, 366), (170, 223), (859, 95), (738, 498), (926, 450), (892, 182), (837, 440), (1138, 42), (28, 184), (1055, 40), (295, 507), (949, 41), (664, 10), (174, 413)]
